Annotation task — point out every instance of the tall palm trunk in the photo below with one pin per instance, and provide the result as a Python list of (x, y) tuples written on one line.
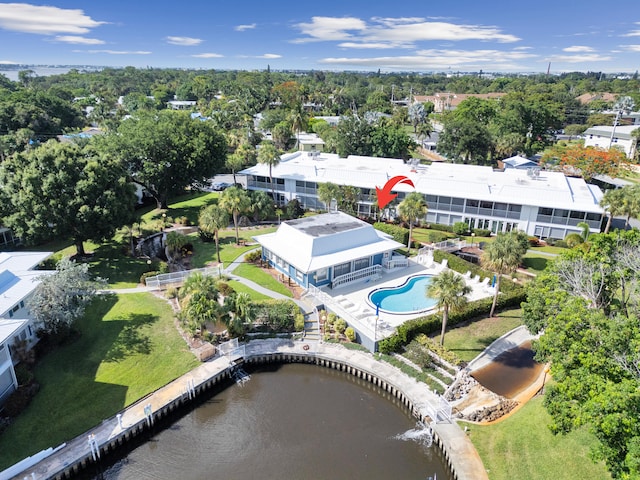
[(445, 319)]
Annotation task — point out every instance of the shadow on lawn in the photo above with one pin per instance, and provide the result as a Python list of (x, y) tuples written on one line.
[(131, 340)]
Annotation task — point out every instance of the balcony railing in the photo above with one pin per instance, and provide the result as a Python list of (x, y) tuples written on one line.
[(373, 271)]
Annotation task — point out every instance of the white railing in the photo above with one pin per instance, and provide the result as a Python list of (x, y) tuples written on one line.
[(396, 261), (451, 245), (369, 272), (177, 278)]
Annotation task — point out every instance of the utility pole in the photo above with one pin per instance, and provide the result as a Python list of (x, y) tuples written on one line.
[(615, 124)]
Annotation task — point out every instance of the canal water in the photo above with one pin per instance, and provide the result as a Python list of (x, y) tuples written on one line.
[(511, 372), (290, 421)]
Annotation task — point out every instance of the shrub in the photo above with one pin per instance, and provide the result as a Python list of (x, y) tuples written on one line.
[(442, 228), (350, 333), (146, 275), (481, 232), (224, 288), (399, 234), (298, 323), (254, 256), (172, 292), (460, 228), (560, 243), (19, 400), (534, 241), (573, 240), (434, 236), (182, 221), (340, 325)]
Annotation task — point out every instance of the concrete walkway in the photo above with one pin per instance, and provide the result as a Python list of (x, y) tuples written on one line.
[(463, 456)]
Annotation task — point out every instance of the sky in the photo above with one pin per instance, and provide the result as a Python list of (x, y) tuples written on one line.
[(410, 35)]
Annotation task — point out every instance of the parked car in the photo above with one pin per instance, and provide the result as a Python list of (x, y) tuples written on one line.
[(219, 186)]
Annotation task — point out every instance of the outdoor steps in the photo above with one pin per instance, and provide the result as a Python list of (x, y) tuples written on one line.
[(311, 330)]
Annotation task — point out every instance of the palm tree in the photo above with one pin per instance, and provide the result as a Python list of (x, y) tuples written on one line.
[(261, 205), (450, 290), (612, 202), (269, 155), (503, 256), (235, 201), (327, 192), (212, 219), (234, 162), (586, 230), (411, 208), (298, 121)]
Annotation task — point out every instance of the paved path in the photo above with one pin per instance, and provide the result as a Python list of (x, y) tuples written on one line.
[(460, 450)]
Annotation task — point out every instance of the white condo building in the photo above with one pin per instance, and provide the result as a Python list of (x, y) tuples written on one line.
[(541, 203)]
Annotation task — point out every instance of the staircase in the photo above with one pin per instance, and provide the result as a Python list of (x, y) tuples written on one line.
[(312, 326)]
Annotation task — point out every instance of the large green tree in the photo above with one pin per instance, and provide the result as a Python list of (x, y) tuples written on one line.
[(586, 305), (450, 290), (62, 190), (165, 152), (60, 298)]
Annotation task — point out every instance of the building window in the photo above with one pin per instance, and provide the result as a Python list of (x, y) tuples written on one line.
[(341, 269), (361, 263), (321, 274)]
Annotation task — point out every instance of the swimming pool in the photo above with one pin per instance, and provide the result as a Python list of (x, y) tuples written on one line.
[(407, 298)]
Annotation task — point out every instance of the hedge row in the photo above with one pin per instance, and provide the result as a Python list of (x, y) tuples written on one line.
[(399, 234), (406, 332)]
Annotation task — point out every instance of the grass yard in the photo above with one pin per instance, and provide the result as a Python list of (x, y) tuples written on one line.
[(522, 447), (129, 347), (536, 262), (242, 288), (262, 278), (204, 253), (467, 341)]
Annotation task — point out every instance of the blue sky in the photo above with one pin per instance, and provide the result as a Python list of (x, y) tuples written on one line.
[(409, 35)]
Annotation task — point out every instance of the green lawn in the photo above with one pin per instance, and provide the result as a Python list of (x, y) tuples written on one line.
[(129, 347), (522, 447), (241, 287), (262, 278), (469, 340), (204, 253), (536, 262)]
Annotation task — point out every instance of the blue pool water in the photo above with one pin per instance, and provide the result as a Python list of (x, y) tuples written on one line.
[(407, 298)]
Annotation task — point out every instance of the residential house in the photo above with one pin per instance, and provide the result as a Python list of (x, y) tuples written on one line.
[(18, 280), (327, 249), (605, 136)]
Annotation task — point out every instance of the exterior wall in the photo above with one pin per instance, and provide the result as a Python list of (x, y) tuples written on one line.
[(604, 141), (494, 216), (8, 381)]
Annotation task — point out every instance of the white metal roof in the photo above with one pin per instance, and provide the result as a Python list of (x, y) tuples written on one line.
[(9, 327), (17, 277), (622, 131), (549, 189), (320, 241)]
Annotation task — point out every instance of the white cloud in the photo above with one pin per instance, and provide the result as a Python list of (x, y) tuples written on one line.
[(372, 46), (184, 41), (395, 32), (592, 57), (441, 59), (578, 49), (207, 55), (323, 29), (266, 55), (117, 52), (631, 48), (78, 40), (7, 62), (633, 33), (242, 28), (44, 20)]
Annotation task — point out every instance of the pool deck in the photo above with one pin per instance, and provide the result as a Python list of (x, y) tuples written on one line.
[(351, 301)]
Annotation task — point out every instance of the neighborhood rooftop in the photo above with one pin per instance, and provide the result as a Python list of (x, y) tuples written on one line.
[(545, 189)]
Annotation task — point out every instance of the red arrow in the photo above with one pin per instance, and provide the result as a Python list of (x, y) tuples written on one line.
[(384, 195)]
